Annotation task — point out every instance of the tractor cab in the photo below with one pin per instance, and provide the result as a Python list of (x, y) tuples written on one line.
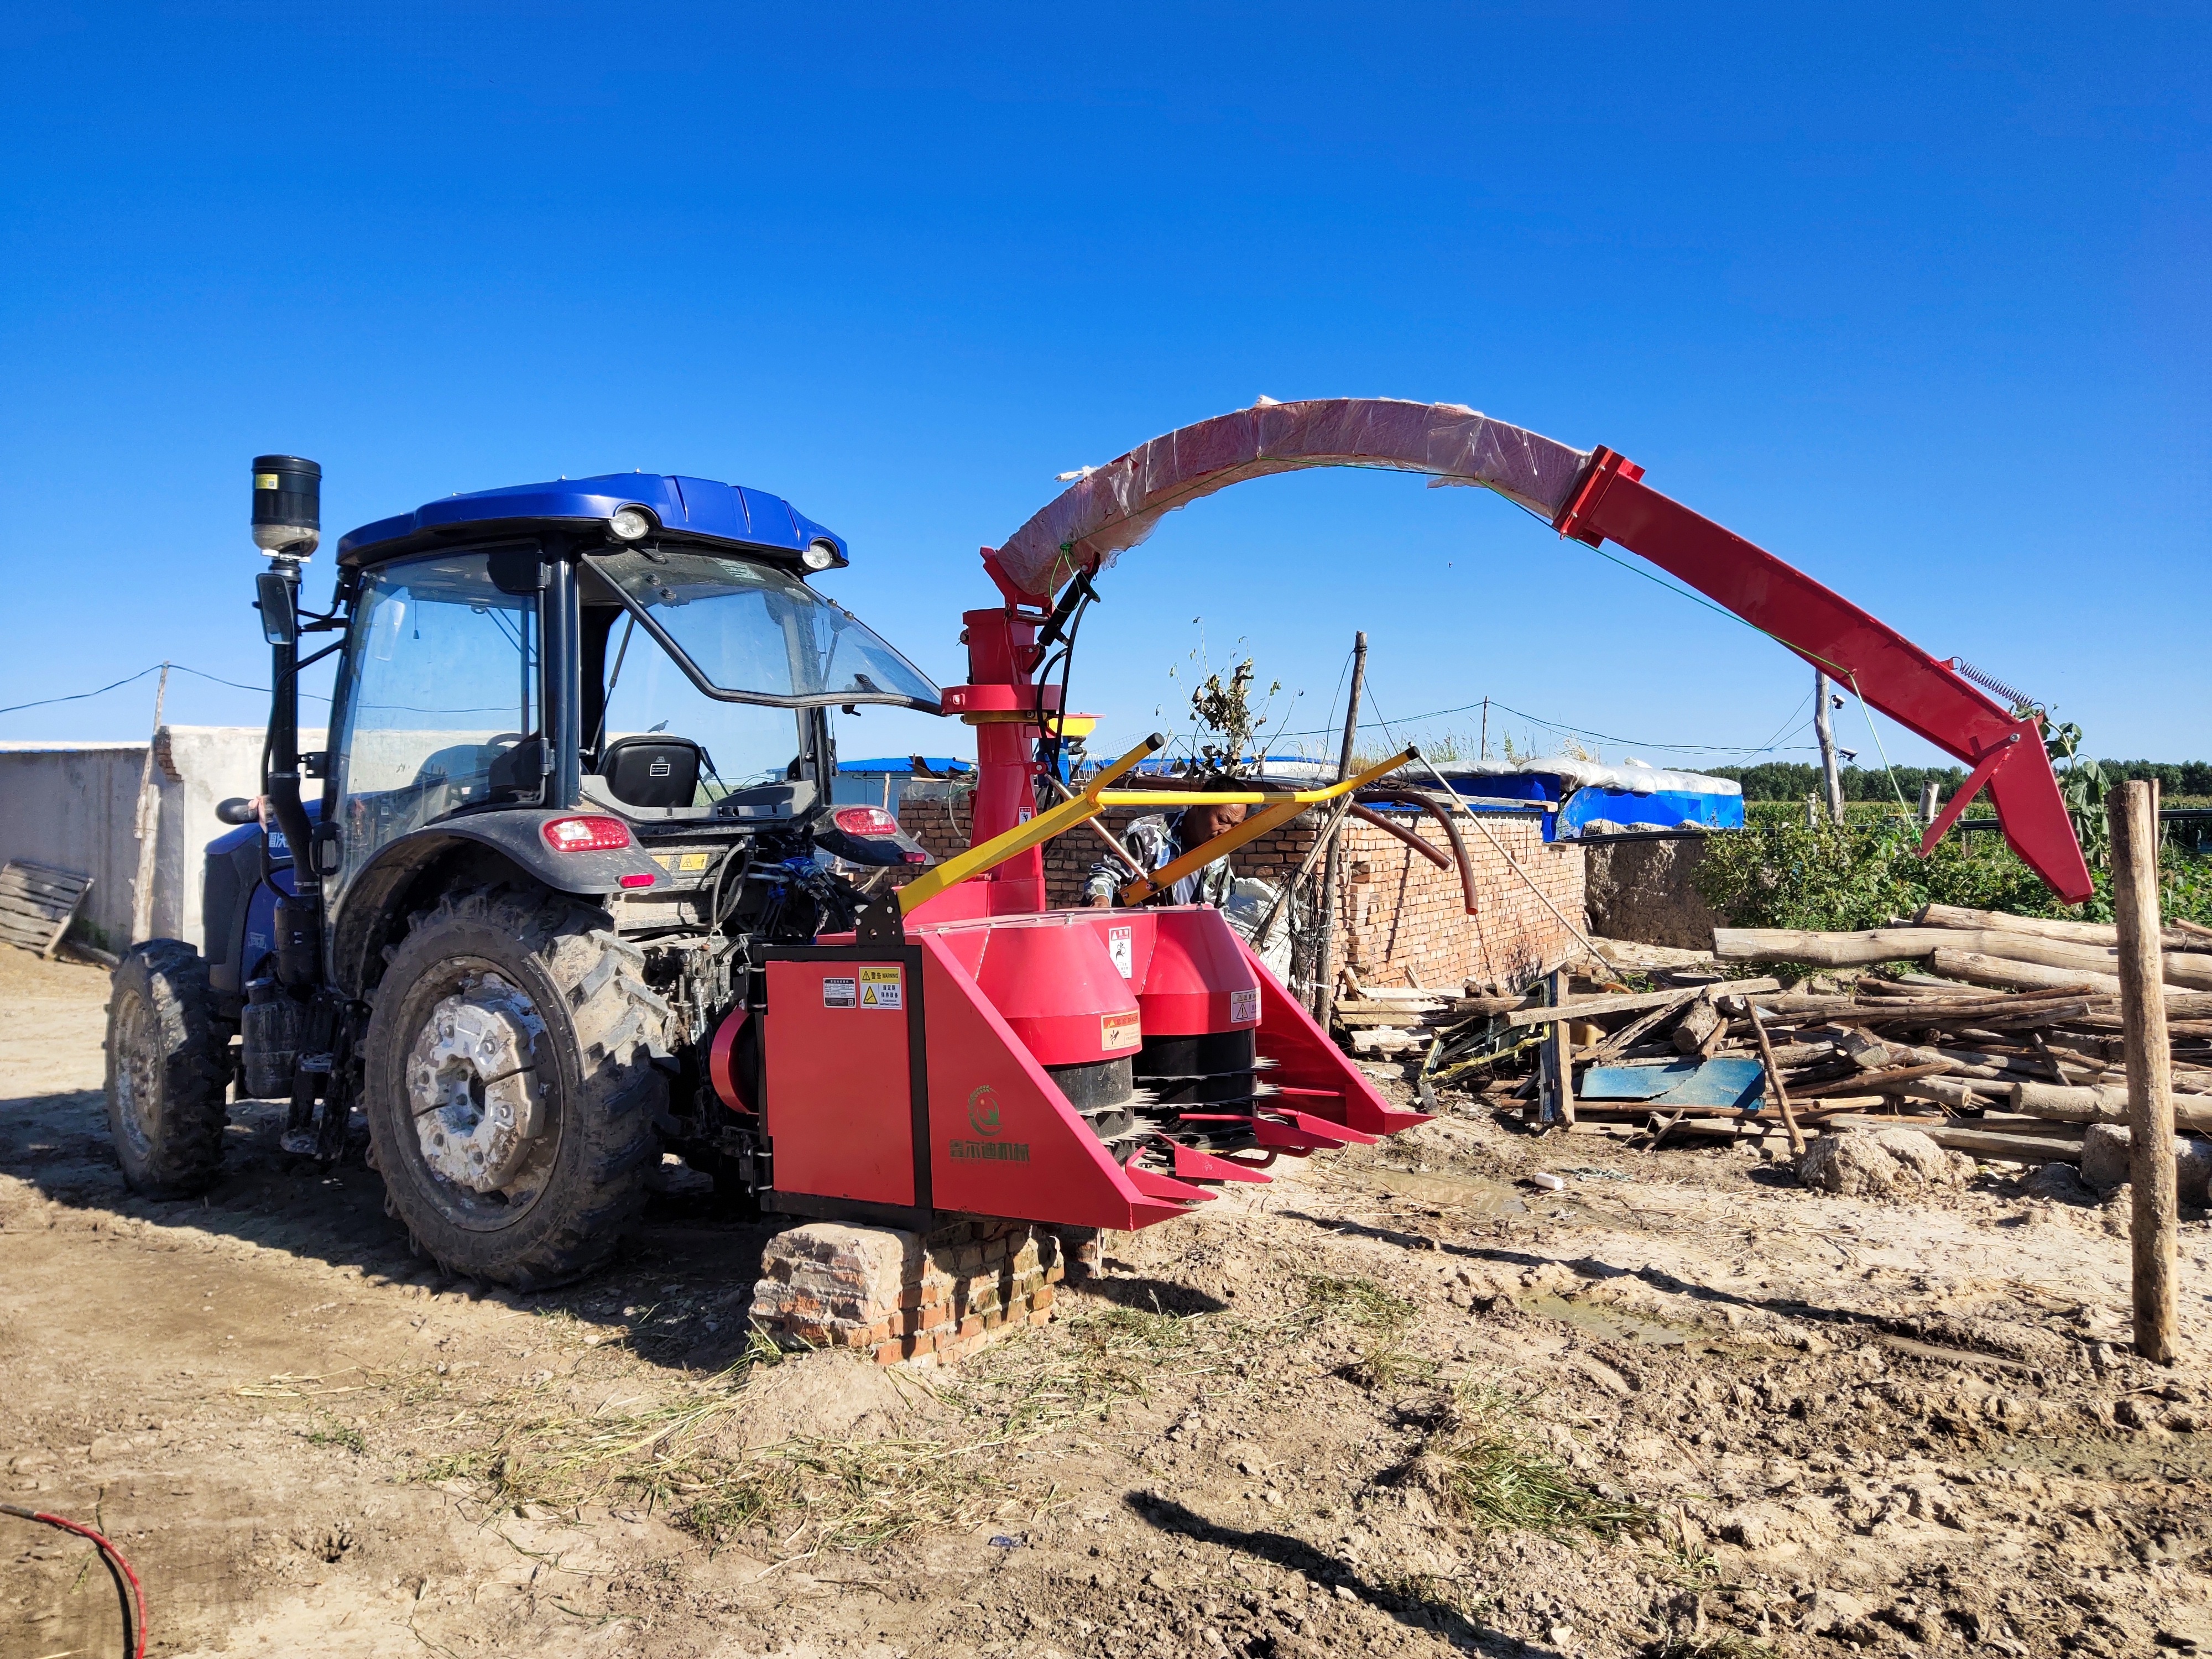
[(646, 647)]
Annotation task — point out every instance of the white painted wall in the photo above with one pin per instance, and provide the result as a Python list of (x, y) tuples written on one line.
[(75, 805)]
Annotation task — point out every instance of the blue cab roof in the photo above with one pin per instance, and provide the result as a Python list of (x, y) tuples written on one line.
[(691, 507)]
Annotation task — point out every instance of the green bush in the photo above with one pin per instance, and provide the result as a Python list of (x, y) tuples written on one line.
[(1865, 870)]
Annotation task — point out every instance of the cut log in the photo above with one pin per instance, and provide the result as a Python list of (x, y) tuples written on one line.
[(1977, 1143), (1700, 1021), (2189, 970), (2178, 936), (1598, 1007), (1878, 1080), (1387, 1040), (2091, 1104), (1979, 968), (1828, 950)]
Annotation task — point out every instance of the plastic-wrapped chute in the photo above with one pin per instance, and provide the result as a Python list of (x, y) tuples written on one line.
[(1116, 506)]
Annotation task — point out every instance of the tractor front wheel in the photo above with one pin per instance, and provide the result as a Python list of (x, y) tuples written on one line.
[(167, 1065), (509, 1085)]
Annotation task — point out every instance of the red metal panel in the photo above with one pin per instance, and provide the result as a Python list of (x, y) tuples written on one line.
[(1197, 978), (1306, 1059), (1880, 665), (1003, 1139), (840, 1100), (1051, 978)]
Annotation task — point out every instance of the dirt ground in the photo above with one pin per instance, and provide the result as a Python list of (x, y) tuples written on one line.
[(1397, 1402)]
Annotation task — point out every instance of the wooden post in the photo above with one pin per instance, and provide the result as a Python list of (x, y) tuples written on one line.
[(1774, 1082), (1824, 729), (1325, 979), (1559, 1055), (2133, 813)]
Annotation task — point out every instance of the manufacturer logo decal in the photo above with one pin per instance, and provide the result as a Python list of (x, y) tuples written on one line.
[(882, 988), (841, 993), (983, 1111), (1120, 1030), (983, 1118), (1244, 1007)]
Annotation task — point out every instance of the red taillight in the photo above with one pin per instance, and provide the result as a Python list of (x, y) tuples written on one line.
[(865, 821), (590, 835), (637, 881)]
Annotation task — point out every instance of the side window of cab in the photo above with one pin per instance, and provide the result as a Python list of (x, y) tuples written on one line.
[(443, 706)]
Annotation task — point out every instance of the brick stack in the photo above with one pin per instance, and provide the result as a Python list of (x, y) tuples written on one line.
[(902, 1297), (1397, 913)]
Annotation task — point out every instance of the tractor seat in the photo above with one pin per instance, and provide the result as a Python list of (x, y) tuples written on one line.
[(652, 771)]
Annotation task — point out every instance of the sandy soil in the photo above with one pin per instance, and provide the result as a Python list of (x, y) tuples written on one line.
[(1760, 1419)]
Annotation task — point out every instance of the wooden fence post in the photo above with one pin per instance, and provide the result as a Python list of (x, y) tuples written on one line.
[(2133, 813)]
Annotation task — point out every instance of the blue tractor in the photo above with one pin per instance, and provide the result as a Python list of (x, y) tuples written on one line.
[(577, 777)]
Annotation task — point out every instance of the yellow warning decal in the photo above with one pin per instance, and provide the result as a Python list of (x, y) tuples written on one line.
[(882, 988), (265, 480), (1120, 1030), (682, 863)]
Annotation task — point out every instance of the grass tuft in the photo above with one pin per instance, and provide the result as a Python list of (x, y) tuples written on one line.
[(1484, 1465), (1359, 1301)]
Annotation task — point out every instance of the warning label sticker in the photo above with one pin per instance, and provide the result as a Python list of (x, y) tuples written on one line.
[(882, 988), (681, 863), (841, 993), (1244, 1007), (1120, 1030), (1119, 948)]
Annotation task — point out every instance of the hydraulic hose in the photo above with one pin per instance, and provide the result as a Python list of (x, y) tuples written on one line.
[(134, 1625)]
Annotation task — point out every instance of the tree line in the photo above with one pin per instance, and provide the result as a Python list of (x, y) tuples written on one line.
[(1795, 780)]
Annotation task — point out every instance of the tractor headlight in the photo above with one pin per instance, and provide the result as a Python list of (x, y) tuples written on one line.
[(821, 555), (629, 524)]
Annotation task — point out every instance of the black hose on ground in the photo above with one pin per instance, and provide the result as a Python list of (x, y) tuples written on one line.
[(134, 1622)]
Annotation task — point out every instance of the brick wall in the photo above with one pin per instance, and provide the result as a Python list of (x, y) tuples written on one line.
[(1396, 912)]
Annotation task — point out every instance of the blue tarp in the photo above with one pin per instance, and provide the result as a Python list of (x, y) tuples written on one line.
[(1727, 1082)]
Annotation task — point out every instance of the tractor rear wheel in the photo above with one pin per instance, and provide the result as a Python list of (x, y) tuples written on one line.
[(509, 1085), (167, 1065)]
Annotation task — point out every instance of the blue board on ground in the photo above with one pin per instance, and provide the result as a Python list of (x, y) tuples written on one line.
[(1725, 1082)]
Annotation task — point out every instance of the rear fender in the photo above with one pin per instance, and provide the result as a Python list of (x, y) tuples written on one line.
[(406, 869)]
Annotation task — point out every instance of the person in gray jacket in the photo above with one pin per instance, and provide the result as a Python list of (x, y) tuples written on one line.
[(1157, 841)]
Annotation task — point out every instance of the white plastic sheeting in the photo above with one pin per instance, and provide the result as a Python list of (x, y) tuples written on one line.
[(1635, 778), (1115, 506)]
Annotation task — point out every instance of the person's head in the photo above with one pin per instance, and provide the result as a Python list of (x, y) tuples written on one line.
[(1203, 823)]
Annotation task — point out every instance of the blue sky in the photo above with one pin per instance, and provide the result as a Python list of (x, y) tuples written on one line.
[(1915, 297)]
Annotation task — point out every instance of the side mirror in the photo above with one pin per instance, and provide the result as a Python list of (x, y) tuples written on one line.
[(280, 624)]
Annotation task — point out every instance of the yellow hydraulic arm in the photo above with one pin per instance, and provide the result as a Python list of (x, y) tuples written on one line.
[(1095, 796), (1022, 836), (1285, 808)]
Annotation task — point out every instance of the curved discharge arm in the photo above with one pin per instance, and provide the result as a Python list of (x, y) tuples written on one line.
[(1592, 496)]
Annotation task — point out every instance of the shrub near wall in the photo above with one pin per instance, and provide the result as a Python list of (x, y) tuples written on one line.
[(1863, 873)]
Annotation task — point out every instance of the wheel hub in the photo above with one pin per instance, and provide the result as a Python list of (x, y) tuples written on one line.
[(469, 1083)]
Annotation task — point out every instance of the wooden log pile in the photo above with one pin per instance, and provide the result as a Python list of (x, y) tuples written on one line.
[(2007, 1044)]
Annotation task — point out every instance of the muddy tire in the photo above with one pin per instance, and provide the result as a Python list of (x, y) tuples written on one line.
[(168, 1067), (509, 1086)]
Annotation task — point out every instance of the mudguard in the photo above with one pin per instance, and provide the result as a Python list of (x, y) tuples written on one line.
[(516, 834)]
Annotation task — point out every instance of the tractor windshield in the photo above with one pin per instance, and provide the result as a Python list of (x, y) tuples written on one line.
[(756, 634)]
